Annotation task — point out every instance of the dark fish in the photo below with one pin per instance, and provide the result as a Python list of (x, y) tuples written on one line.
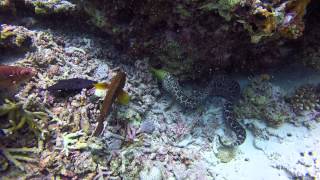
[(73, 85)]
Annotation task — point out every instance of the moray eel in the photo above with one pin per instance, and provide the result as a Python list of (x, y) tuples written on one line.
[(221, 86)]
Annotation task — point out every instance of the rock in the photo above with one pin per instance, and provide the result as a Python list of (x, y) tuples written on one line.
[(147, 127), (101, 73)]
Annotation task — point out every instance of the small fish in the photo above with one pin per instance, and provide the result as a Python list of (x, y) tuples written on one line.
[(12, 76), (73, 85)]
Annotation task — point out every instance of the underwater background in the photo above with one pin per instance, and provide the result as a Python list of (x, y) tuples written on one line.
[(160, 89)]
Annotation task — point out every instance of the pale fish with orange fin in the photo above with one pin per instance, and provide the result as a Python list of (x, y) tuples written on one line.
[(12, 76)]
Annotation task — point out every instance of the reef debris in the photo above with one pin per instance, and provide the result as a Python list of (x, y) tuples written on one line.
[(116, 85)]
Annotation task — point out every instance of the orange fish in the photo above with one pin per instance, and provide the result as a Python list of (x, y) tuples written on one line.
[(12, 76)]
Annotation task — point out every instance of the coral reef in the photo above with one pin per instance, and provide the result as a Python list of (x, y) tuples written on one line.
[(184, 37), (262, 100), (305, 102), (190, 33), (191, 38), (275, 19)]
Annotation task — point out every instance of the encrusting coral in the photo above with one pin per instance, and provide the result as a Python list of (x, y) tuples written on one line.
[(15, 38), (262, 100), (305, 98)]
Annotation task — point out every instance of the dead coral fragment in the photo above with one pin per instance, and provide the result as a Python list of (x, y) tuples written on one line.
[(116, 86)]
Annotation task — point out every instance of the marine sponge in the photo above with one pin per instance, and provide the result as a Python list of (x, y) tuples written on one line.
[(262, 100)]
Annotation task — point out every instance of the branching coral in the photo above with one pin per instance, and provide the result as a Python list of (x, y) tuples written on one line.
[(15, 155), (18, 116), (78, 141)]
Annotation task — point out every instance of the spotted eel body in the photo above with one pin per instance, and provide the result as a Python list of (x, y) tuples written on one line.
[(219, 86)]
